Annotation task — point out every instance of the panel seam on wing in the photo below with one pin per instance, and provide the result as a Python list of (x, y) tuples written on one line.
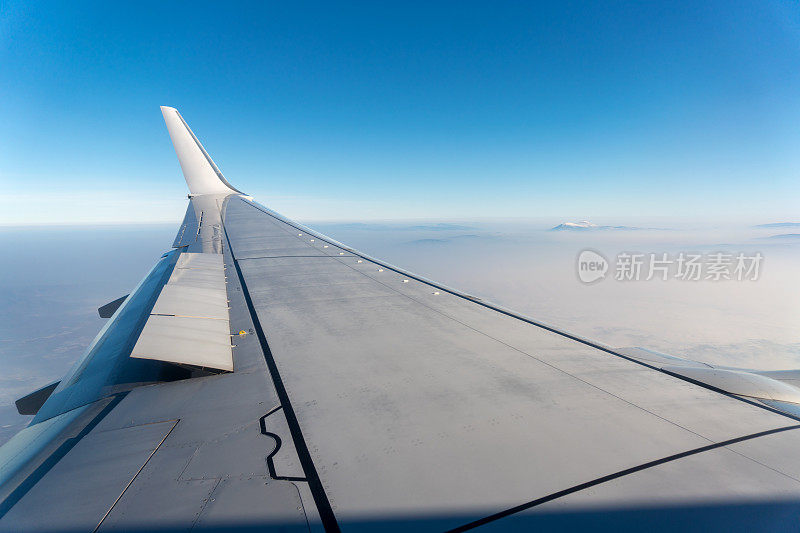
[(615, 475)]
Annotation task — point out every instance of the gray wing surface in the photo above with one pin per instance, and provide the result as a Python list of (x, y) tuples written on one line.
[(264, 376)]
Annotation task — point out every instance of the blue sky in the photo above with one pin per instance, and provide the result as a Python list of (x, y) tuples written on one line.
[(404, 110)]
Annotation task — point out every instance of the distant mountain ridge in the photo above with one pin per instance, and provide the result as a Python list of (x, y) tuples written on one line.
[(377, 226), (779, 225), (449, 239), (585, 225), (790, 236)]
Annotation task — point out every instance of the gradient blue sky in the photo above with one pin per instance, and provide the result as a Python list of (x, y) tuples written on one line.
[(404, 110)]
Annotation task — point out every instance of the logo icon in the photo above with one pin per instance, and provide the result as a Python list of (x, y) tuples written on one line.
[(592, 266)]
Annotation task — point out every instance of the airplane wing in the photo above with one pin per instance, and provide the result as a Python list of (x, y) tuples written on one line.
[(265, 376)]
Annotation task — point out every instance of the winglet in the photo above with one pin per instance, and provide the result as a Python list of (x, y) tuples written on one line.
[(202, 175)]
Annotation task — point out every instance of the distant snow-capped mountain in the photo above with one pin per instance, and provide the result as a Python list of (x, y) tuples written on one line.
[(585, 225)]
